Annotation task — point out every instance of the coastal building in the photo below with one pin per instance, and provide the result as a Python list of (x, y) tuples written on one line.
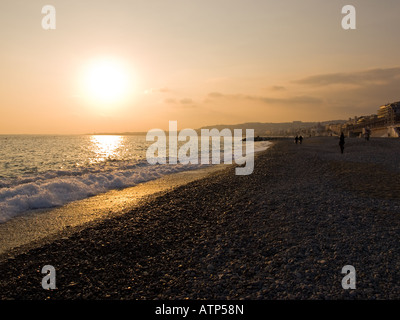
[(390, 113), (367, 120), (385, 123), (334, 128)]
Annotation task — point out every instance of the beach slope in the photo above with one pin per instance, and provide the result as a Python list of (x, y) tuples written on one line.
[(283, 232)]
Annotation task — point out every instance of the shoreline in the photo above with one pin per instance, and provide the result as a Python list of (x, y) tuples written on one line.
[(42, 226), (283, 232)]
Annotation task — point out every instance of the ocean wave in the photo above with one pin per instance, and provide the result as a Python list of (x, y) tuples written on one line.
[(59, 187), (48, 191)]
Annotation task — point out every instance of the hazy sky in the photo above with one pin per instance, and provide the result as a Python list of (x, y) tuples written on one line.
[(200, 62)]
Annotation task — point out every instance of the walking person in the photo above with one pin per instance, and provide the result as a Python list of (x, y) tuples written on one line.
[(301, 139), (367, 134), (296, 139), (341, 142)]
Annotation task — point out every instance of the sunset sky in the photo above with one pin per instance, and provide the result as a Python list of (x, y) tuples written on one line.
[(130, 65)]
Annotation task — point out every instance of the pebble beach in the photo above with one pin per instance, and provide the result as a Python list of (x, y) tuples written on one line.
[(282, 233)]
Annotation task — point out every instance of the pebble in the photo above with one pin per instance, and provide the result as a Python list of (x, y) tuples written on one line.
[(270, 235)]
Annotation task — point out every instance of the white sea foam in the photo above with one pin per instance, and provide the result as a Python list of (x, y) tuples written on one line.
[(57, 191)]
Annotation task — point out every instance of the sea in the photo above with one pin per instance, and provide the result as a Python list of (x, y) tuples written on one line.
[(46, 171)]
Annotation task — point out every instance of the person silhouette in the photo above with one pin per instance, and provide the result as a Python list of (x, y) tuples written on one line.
[(296, 139), (341, 142), (301, 139)]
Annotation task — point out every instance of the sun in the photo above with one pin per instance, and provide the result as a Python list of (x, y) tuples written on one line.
[(106, 80)]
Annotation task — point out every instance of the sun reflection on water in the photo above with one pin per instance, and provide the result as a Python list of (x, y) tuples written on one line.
[(106, 147)]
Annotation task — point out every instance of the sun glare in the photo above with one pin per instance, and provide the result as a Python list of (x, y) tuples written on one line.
[(105, 147), (106, 81)]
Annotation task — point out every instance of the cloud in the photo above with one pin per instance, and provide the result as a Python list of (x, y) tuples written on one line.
[(290, 100), (321, 96), (170, 101), (215, 95), (293, 100), (180, 103), (156, 90), (373, 76), (186, 101), (278, 88), (359, 92)]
